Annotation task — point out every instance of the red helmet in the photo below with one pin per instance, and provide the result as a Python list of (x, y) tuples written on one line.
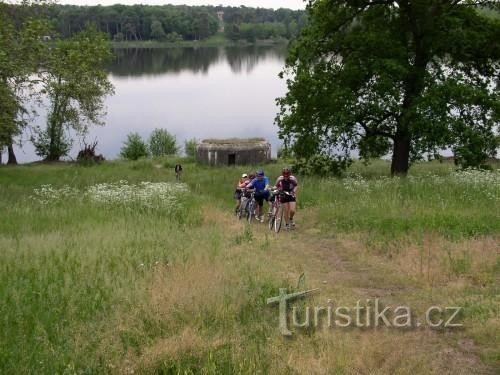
[(286, 172)]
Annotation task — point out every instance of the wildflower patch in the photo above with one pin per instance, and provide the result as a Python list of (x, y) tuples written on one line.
[(472, 184), (150, 195)]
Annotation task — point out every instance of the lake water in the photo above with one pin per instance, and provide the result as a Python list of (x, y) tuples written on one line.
[(192, 92)]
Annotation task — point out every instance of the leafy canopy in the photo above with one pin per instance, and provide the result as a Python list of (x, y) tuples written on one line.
[(407, 77), (134, 147), (76, 82), (162, 143), (21, 53)]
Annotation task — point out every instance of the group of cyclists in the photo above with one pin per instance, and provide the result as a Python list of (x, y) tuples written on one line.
[(285, 189)]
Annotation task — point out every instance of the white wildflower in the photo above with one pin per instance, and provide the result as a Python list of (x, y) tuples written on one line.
[(121, 194)]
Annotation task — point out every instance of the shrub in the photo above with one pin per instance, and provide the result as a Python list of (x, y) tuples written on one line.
[(190, 147), (162, 143), (320, 165), (173, 37), (284, 152), (51, 150), (134, 147)]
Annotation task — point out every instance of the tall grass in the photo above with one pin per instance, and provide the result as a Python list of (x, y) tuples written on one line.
[(460, 204), (91, 287), (82, 282)]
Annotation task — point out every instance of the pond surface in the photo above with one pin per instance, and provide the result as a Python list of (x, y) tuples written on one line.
[(191, 92)]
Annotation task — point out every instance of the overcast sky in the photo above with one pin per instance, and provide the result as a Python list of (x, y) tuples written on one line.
[(292, 4)]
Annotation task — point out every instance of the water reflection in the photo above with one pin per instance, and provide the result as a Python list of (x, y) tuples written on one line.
[(192, 92), (130, 62)]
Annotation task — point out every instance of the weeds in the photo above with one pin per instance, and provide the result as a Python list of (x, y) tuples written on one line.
[(102, 276)]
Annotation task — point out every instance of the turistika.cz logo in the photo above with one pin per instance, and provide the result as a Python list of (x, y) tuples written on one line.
[(365, 314)]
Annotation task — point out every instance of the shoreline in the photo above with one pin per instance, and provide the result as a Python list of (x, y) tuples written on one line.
[(198, 43)]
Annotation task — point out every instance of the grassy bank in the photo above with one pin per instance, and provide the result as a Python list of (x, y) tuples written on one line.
[(98, 275), (214, 41)]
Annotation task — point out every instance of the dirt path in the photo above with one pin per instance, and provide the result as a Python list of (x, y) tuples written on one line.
[(346, 272)]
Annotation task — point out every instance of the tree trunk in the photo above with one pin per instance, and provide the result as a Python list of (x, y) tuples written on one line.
[(12, 156), (53, 130), (400, 155)]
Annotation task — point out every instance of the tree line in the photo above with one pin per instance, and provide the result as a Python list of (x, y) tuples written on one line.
[(172, 22)]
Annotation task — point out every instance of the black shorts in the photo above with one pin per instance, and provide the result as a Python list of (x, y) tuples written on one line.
[(285, 198), (260, 196)]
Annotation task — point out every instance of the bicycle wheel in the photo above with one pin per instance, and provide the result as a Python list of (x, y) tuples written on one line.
[(278, 219), (272, 216), (272, 219), (250, 210), (241, 210)]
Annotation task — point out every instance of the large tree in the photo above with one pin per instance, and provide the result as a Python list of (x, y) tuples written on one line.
[(76, 83), (21, 52), (407, 77)]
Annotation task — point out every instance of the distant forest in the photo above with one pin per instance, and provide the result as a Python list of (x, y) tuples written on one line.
[(172, 22)]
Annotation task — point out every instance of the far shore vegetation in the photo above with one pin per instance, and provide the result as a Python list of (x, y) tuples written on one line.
[(218, 40)]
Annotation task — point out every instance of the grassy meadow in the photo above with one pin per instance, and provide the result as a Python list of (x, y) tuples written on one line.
[(102, 276)]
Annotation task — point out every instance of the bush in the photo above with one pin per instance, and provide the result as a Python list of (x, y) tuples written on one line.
[(51, 150), (173, 37), (134, 147), (284, 152), (190, 147), (162, 143), (321, 165)]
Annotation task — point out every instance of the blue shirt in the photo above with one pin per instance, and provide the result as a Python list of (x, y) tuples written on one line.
[(259, 184)]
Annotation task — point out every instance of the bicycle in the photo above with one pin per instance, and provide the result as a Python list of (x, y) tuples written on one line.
[(242, 206), (250, 207), (247, 207), (276, 212)]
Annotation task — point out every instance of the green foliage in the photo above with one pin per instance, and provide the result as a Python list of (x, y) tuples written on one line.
[(265, 30), (76, 83), (157, 31), (232, 32), (8, 113), (320, 165), (21, 54), (47, 143), (190, 147), (429, 200), (284, 152), (355, 83), (162, 143), (146, 22), (173, 37), (134, 147)]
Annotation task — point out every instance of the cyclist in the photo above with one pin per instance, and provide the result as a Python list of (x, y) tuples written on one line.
[(261, 185), (287, 183), (240, 187)]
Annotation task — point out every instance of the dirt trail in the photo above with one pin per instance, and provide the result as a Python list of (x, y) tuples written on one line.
[(342, 267)]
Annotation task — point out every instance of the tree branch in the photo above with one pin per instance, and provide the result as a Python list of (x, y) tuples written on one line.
[(373, 132)]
